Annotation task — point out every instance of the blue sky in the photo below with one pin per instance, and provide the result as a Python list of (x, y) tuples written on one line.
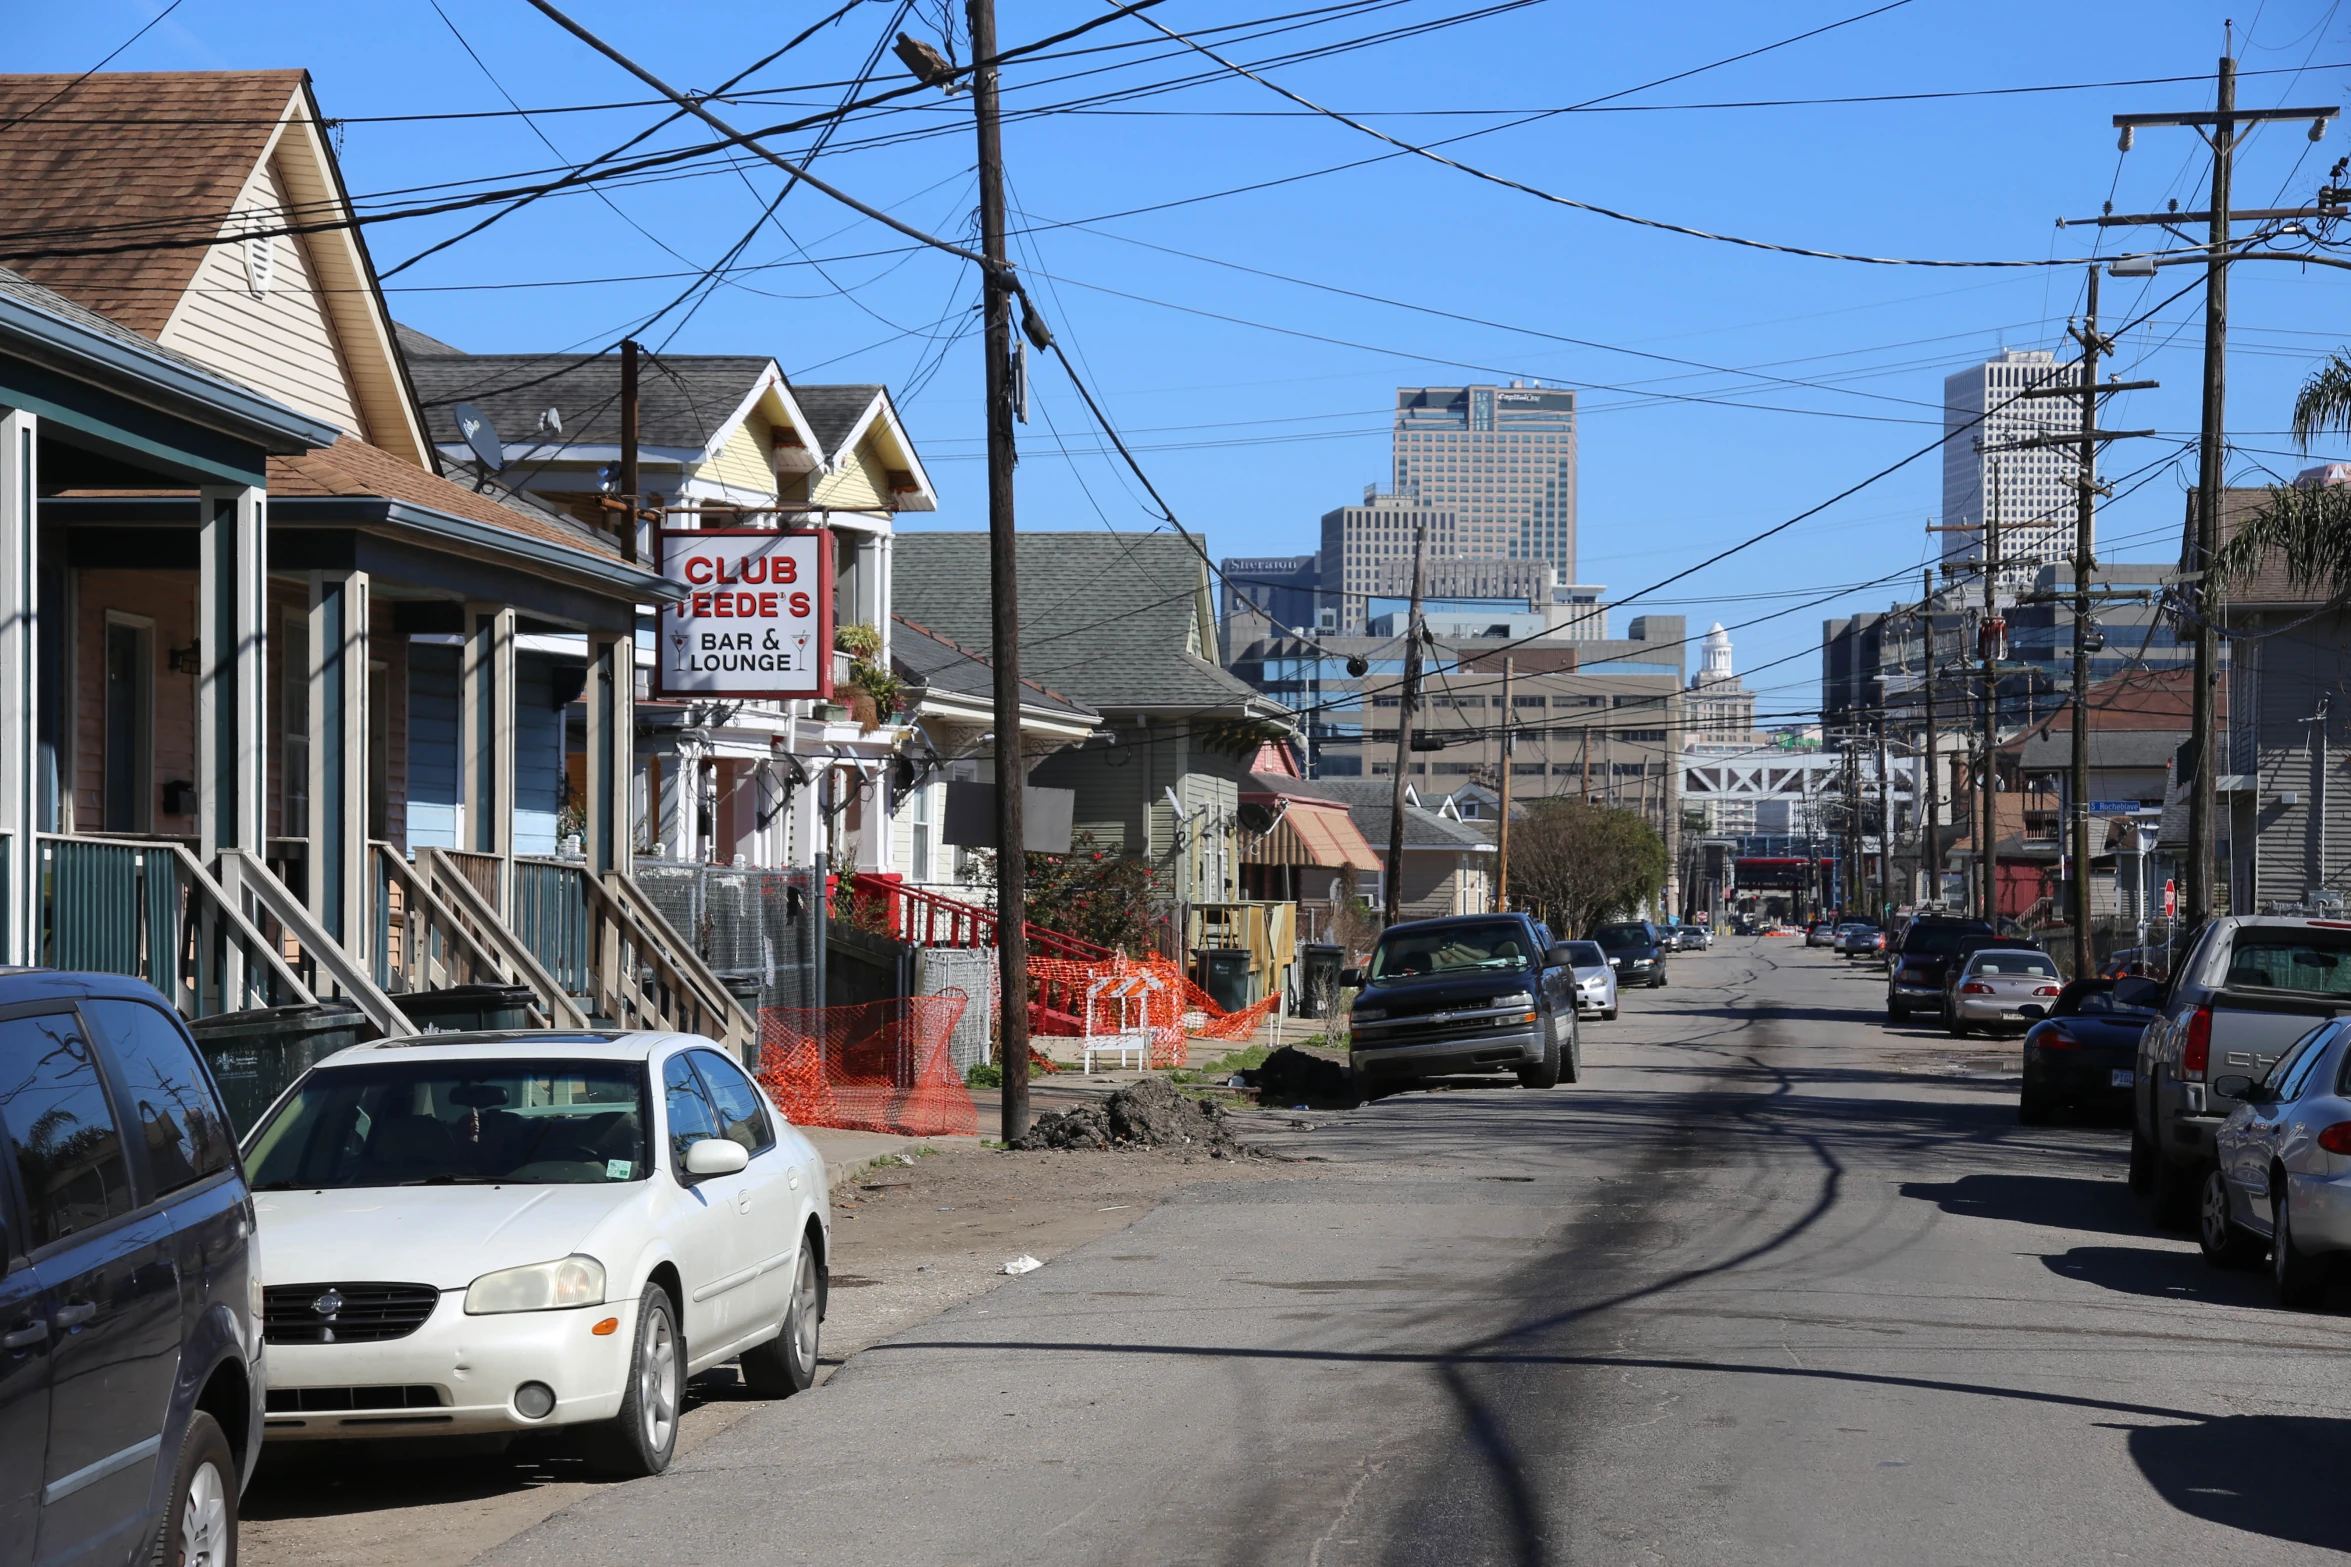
[(1256, 402)]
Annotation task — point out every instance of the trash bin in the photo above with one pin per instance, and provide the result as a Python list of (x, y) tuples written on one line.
[(1318, 979), (255, 1055), (462, 1007), (1224, 973)]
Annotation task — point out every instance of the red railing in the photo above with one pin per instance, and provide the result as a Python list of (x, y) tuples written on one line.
[(927, 919)]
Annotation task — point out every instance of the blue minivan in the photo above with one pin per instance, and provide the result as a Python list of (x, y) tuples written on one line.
[(130, 1319)]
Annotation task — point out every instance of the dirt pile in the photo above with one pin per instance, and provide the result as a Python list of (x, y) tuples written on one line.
[(1295, 1077), (1148, 1114)]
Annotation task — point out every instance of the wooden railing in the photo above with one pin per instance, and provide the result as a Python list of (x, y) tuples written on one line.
[(246, 875), (480, 871), (147, 909), (645, 975), (461, 897)]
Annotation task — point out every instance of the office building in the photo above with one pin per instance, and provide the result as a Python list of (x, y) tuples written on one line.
[(1500, 459), (2029, 494), (1719, 708), (1360, 545), (1260, 595)]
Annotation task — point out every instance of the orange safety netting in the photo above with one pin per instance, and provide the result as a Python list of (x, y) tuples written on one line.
[(1076, 999), (886, 1066)]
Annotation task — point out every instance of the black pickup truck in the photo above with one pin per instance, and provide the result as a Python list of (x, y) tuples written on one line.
[(2249, 987), (1473, 993)]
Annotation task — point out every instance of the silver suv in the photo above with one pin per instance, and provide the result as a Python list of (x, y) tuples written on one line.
[(2248, 988)]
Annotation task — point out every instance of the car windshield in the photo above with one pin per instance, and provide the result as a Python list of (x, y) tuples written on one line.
[(2288, 959), (1612, 937), (439, 1123), (1494, 947), (1942, 940), (1586, 954), (2013, 965)]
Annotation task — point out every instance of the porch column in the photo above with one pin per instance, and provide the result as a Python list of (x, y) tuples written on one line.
[(232, 707), (612, 743), (338, 652), (485, 789), (19, 692), (677, 813)]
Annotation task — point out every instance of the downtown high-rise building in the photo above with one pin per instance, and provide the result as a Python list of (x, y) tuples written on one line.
[(2029, 492), (1501, 460)]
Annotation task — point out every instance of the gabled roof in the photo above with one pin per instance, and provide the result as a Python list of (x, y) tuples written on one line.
[(1369, 802), (121, 185), (1116, 620), (352, 468), (685, 402), (936, 664)]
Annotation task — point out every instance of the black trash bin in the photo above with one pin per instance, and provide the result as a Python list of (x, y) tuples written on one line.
[(1224, 973), (463, 1007), (255, 1055), (1318, 979)]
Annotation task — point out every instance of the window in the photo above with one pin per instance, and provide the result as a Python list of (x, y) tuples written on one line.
[(741, 1117), (164, 1093), (2288, 959), (1527, 701), (690, 1116), (2297, 1056), (2314, 1046), (69, 1156)]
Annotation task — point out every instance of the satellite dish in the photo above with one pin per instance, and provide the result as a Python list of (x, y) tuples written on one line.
[(481, 435)]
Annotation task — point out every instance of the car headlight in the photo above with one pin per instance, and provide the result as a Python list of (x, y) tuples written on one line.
[(1367, 1014), (1521, 999), (543, 1286)]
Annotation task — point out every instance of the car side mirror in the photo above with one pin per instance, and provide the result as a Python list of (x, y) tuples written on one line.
[(1350, 979), (716, 1156), (2237, 1086), (1559, 957), (2032, 1010)]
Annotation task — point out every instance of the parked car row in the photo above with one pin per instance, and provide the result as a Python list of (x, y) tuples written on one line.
[(481, 1233)]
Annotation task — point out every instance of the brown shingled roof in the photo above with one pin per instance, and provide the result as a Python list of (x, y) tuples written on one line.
[(354, 468), (177, 148)]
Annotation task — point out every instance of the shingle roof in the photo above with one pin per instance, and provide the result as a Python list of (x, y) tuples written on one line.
[(833, 411), (1369, 802), (683, 400), (2108, 748), (937, 664), (354, 468), (1105, 617), (178, 148), (23, 289), (413, 342)]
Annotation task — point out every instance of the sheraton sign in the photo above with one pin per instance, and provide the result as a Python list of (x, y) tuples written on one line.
[(757, 618)]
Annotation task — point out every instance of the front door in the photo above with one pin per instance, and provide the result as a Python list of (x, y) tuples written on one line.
[(107, 1273)]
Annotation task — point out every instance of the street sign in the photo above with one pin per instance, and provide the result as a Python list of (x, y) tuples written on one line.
[(2115, 807), (757, 619), (2171, 900)]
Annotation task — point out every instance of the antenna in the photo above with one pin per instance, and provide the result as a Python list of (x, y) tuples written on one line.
[(481, 435)]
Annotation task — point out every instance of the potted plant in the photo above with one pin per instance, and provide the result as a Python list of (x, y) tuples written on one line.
[(875, 692)]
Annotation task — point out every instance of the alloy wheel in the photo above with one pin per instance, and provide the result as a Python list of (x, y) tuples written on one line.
[(2212, 1214), (204, 1521), (804, 1313), (657, 1380)]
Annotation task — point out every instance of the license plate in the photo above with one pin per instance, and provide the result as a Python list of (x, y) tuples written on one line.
[(2122, 1077)]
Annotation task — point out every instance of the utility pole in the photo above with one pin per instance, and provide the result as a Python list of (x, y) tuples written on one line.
[(1012, 944), (630, 500), (1502, 834), (1930, 823), (1990, 635), (1885, 825), (2085, 560), (1405, 700)]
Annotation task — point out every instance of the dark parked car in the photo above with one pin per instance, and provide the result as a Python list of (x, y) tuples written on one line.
[(1915, 972), (130, 1403), (1474, 993), (2084, 1055), (1636, 950)]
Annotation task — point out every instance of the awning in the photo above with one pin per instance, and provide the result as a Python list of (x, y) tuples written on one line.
[(1311, 834)]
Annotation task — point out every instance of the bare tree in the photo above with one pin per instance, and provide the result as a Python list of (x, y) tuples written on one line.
[(1578, 865)]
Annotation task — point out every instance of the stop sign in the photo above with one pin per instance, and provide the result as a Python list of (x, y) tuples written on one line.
[(2171, 900)]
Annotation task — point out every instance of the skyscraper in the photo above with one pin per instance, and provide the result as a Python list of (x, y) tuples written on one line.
[(2030, 493), (1501, 459)]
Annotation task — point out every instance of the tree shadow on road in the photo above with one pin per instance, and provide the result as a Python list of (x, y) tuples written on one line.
[(2274, 1475)]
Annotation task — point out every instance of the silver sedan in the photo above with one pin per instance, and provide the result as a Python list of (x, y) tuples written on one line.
[(2282, 1180), (1595, 980), (1993, 986)]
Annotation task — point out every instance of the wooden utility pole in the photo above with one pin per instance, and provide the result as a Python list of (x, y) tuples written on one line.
[(1012, 946), (629, 498), (1406, 699), (1930, 821), (2085, 560), (1990, 636), (1885, 826), (1502, 832)]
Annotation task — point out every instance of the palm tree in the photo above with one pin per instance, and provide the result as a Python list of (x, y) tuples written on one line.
[(2308, 531)]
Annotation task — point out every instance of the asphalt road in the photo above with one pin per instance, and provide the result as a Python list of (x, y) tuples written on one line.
[(1776, 1283)]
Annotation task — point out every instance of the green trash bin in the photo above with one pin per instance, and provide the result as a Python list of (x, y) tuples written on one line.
[(462, 1008), (1224, 973), (256, 1055), (1318, 979)]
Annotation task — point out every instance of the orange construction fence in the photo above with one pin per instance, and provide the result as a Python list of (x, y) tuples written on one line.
[(885, 1066), (1071, 1004)]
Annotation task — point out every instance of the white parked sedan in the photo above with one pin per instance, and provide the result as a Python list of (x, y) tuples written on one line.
[(494, 1232), (1595, 980)]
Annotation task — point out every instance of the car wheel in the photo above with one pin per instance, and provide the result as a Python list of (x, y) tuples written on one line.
[(2142, 1168), (1571, 1060), (2301, 1281), (2174, 1192), (1659, 982), (640, 1439), (1545, 1073), (1897, 1014), (786, 1364), (1954, 1024), (2225, 1244), (200, 1526), (2034, 1109), (1609, 1016)]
